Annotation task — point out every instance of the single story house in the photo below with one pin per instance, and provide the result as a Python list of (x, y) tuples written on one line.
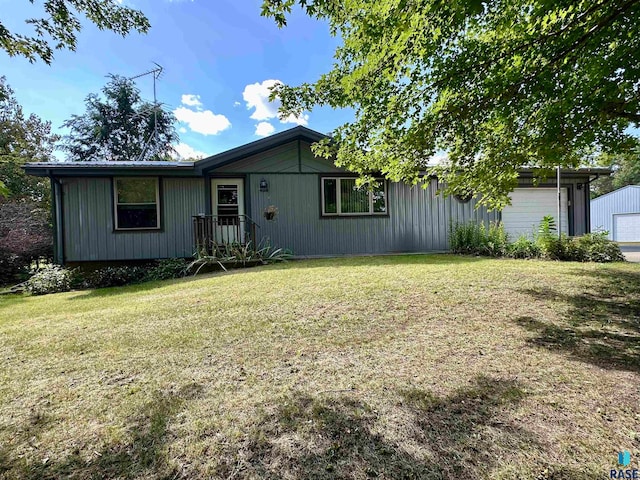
[(106, 211), (618, 213)]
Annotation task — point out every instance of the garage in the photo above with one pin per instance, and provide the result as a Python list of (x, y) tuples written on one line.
[(529, 205), (626, 227), (618, 214)]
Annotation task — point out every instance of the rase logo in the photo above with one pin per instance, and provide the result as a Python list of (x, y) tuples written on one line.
[(624, 459)]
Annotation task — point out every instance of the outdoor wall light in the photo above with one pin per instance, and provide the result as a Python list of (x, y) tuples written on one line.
[(264, 186)]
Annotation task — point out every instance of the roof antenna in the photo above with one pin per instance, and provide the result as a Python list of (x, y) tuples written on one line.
[(156, 73)]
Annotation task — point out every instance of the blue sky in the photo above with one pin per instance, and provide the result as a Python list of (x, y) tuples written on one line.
[(219, 59)]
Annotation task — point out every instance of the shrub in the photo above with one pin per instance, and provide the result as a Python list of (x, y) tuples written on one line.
[(235, 254), (465, 238), (596, 247), (524, 247), (114, 276), (50, 279), (563, 248), (477, 239), (496, 240), (167, 269)]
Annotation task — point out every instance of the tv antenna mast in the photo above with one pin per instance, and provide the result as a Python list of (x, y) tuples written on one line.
[(156, 73)]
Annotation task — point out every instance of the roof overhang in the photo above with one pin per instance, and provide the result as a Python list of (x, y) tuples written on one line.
[(101, 169), (187, 169), (567, 172)]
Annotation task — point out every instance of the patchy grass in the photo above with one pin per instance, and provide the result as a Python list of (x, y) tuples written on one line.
[(393, 367)]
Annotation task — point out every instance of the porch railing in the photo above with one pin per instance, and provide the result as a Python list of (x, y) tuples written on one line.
[(214, 233)]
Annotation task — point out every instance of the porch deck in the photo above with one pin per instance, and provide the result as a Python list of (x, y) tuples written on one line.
[(214, 234)]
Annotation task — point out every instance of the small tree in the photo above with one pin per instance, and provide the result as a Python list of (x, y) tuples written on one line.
[(25, 236), (22, 139), (120, 127)]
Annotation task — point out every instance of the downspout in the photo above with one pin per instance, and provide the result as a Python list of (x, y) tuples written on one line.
[(56, 215)]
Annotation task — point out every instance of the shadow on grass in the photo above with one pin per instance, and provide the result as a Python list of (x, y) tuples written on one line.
[(602, 325), (459, 436), (336, 262), (143, 456)]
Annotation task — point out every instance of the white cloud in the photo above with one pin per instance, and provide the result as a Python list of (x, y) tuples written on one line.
[(236, 104), (301, 120), (204, 121), (264, 129), (185, 152), (182, 130), (256, 95), (191, 100)]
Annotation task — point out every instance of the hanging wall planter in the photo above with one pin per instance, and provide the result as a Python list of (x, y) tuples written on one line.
[(270, 212)]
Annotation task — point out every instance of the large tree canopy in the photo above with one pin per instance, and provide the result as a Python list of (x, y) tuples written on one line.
[(60, 25), (120, 126), (494, 85), (22, 139)]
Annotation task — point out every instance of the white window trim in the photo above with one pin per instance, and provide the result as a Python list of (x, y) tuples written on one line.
[(116, 204), (339, 213)]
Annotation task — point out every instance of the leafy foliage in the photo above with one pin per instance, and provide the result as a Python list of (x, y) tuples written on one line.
[(596, 247), (60, 25), (25, 236), (114, 276), (22, 139), (495, 85), (50, 279), (476, 239), (120, 127), (626, 171), (524, 247), (167, 269)]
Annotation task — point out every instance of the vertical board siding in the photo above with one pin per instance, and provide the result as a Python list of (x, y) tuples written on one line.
[(418, 219), (625, 200), (280, 159), (88, 222)]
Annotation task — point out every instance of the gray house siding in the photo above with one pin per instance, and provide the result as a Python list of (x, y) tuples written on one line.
[(624, 200), (88, 221), (418, 220)]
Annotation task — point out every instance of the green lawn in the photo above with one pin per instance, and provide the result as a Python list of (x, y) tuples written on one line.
[(391, 367)]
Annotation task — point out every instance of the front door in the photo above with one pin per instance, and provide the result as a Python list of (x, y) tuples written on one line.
[(227, 195)]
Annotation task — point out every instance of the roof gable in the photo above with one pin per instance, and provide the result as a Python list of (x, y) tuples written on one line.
[(258, 146), (615, 192)]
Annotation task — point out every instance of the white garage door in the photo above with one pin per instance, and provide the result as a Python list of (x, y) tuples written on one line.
[(626, 227), (529, 205)]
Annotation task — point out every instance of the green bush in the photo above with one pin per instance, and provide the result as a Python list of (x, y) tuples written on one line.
[(476, 239), (167, 269), (50, 279), (592, 247), (562, 248), (114, 276), (524, 247), (596, 247)]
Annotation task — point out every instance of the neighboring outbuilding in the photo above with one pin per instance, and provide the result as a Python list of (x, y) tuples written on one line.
[(618, 213), (275, 189)]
